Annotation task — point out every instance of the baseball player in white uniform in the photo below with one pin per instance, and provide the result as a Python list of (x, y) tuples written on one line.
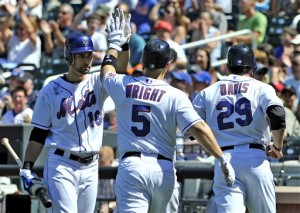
[(68, 121), (241, 111), (149, 111)]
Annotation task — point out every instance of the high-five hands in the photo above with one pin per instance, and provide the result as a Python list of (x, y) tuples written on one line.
[(227, 170), (118, 30)]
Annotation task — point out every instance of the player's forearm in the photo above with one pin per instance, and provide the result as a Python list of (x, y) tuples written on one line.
[(33, 151), (107, 63), (123, 60), (278, 136), (203, 134)]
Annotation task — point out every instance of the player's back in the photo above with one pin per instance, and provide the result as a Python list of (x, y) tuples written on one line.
[(235, 109), (148, 113)]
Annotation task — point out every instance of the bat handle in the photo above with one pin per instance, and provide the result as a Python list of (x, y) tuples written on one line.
[(43, 196)]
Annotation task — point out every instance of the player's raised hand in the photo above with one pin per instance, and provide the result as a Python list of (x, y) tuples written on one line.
[(115, 30), (127, 28), (227, 170)]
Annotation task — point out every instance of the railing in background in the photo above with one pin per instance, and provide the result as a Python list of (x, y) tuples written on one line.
[(220, 38)]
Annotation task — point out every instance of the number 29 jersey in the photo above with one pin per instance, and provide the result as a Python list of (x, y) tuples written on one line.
[(235, 109)]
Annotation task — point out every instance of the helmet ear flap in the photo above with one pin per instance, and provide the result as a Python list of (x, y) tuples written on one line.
[(68, 56), (69, 59)]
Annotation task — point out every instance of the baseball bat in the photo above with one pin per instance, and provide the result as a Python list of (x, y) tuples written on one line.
[(41, 193)]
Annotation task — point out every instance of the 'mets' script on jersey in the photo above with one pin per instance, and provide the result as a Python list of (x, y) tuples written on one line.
[(148, 113), (229, 106), (73, 113)]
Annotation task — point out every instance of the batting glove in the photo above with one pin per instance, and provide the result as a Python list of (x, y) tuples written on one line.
[(127, 28), (115, 30), (227, 170), (31, 182)]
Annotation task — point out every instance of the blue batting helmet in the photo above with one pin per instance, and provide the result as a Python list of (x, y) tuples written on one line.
[(77, 43), (156, 54), (241, 55)]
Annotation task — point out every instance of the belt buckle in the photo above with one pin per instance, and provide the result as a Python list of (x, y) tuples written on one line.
[(86, 160)]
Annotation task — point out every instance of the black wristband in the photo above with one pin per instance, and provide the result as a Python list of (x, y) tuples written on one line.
[(125, 47), (27, 165), (109, 60), (277, 149)]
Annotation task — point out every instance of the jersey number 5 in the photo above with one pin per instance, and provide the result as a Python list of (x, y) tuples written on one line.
[(136, 117), (242, 107)]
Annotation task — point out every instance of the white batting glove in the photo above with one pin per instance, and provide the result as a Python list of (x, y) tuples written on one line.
[(115, 30), (127, 28), (227, 169), (31, 182)]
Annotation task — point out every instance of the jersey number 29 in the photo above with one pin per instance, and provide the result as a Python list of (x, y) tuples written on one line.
[(242, 107)]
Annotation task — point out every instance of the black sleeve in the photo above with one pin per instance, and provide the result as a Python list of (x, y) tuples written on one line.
[(39, 135), (277, 117)]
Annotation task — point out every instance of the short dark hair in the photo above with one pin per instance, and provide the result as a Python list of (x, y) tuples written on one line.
[(19, 89)]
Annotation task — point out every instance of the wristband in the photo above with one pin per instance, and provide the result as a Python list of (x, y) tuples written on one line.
[(27, 165), (277, 149), (109, 60), (125, 47)]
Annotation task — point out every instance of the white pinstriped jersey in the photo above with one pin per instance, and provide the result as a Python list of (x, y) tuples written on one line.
[(235, 109), (148, 113), (73, 113)]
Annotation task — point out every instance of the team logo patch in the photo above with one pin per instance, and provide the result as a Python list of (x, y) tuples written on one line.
[(111, 75), (85, 41)]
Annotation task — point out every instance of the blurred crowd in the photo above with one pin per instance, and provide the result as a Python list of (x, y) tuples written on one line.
[(33, 33)]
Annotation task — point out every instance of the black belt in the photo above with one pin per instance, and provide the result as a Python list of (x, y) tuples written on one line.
[(138, 154), (251, 146), (85, 160)]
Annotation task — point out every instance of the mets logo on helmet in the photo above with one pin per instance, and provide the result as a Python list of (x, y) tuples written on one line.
[(85, 41)]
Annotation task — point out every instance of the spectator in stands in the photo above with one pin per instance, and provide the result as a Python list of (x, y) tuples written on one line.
[(260, 73), (296, 43), (106, 186), (284, 52), (171, 11), (5, 35), (219, 18), (224, 5), (109, 4), (278, 86), (181, 80), (265, 6), (252, 20), (110, 120), (5, 94), (137, 42), (295, 82), (163, 31), (20, 113), (201, 60), (192, 8), (8, 8), (104, 13), (34, 8), (60, 28), (289, 7), (201, 80), (295, 79), (202, 28), (140, 17), (25, 45), (26, 80), (289, 96)]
